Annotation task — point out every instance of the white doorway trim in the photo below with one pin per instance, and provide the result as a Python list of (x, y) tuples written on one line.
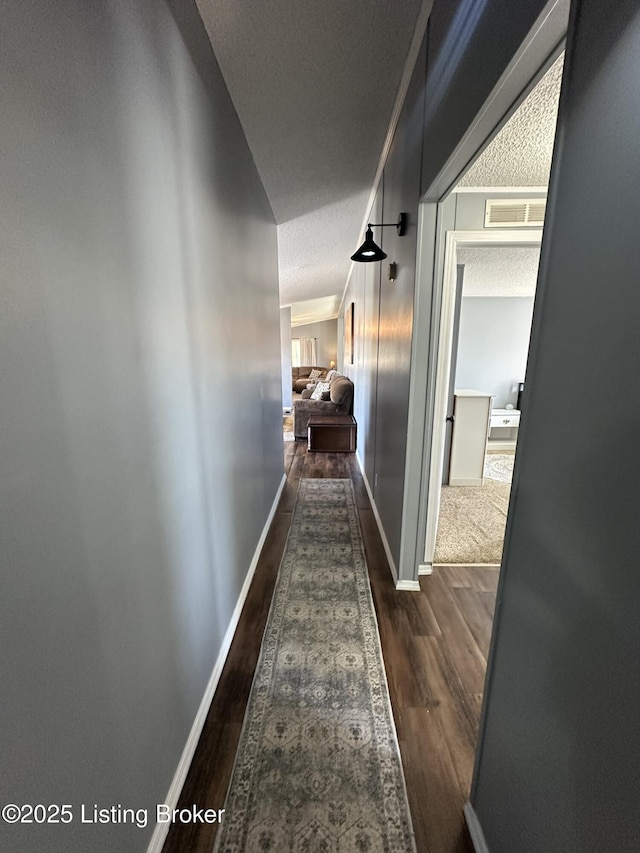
[(441, 353), (436, 214)]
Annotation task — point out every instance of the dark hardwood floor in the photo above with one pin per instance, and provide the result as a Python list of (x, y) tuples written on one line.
[(434, 645)]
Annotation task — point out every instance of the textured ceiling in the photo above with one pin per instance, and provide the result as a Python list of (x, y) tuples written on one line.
[(314, 85), (499, 270), (520, 155)]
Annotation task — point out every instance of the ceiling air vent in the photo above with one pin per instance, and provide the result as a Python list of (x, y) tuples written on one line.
[(514, 213)]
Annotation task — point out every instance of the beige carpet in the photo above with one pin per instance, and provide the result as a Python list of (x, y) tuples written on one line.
[(471, 523), (287, 419), (287, 427)]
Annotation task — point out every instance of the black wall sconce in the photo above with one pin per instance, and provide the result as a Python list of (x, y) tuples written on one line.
[(370, 251)]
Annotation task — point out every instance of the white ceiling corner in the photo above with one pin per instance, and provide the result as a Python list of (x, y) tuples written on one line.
[(314, 310)]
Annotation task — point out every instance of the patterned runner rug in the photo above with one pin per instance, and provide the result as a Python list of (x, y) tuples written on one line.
[(318, 767)]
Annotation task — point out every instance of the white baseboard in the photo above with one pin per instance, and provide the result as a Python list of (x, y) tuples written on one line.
[(475, 830), (425, 569), (385, 544), (161, 830), (411, 586), (497, 446)]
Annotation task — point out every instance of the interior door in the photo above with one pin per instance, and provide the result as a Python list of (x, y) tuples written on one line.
[(452, 374)]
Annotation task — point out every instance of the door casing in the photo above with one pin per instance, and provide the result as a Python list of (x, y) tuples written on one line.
[(442, 355)]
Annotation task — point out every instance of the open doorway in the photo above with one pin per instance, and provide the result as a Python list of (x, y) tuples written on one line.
[(491, 326), (496, 208)]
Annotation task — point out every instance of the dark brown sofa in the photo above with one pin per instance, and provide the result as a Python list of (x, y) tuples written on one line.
[(300, 376), (340, 402)]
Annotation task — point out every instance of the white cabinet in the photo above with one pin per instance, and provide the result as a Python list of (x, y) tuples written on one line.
[(503, 429), (472, 413), (505, 418)]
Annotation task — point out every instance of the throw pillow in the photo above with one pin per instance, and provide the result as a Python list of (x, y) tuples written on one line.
[(319, 390), (315, 374)]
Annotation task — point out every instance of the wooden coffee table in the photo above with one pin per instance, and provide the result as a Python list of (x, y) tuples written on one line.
[(332, 434)]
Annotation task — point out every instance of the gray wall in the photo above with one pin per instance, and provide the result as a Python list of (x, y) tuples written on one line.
[(559, 751), (493, 345), (364, 291), (326, 335), (285, 356), (133, 495), (401, 191), (470, 44), (383, 318), (466, 51)]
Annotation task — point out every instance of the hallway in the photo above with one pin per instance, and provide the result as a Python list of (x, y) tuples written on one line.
[(434, 644)]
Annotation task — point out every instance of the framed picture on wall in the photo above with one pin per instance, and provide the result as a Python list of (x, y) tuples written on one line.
[(348, 334)]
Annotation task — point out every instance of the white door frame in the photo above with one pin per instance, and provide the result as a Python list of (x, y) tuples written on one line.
[(436, 213), (441, 353)]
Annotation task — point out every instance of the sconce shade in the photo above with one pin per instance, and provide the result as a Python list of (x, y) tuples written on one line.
[(369, 251)]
